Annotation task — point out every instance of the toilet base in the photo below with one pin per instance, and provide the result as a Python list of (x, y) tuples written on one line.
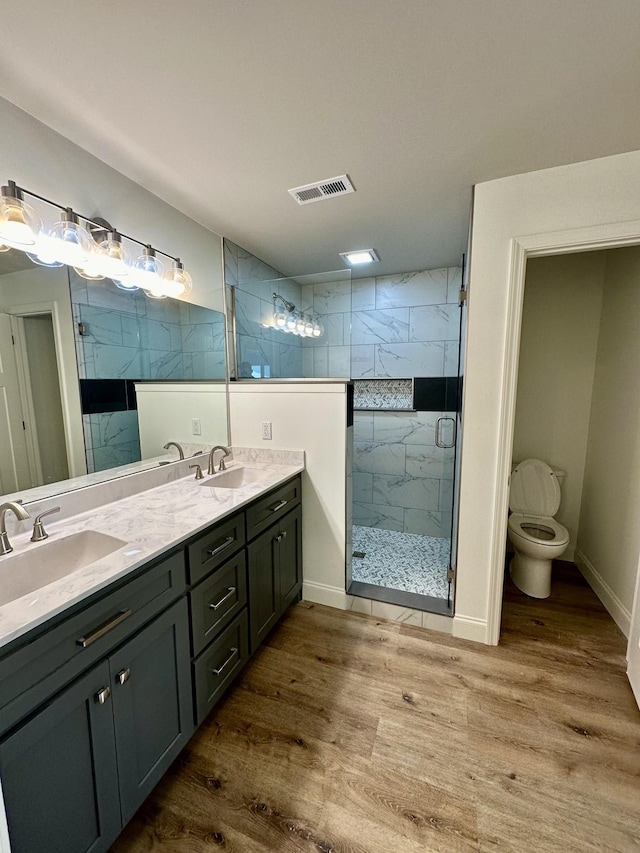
[(531, 576)]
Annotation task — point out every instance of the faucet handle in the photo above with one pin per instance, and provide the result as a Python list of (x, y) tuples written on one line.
[(199, 474), (39, 533)]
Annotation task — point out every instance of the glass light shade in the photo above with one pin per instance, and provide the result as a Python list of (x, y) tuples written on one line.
[(90, 270), (292, 321), (20, 225), (308, 327), (177, 281), (44, 254), (70, 242), (300, 324), (112, 259), (125, 285), (318, 329), (280, 319), (147, 272)]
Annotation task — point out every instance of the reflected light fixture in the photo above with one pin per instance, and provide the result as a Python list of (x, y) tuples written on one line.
[(93, 247), (20, 225), (287, 319), (359, 256)]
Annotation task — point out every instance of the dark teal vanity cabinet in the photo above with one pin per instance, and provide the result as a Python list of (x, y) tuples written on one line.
[(97, 703)]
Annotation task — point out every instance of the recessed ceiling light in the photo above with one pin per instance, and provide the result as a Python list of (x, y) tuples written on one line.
[(360, 256)]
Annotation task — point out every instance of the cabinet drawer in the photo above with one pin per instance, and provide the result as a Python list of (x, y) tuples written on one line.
[(273, 506), (219, 663), (215, 546), (217, 599), (33, 672)]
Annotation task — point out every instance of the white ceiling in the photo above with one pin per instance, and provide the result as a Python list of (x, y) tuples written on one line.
[(220, 106)]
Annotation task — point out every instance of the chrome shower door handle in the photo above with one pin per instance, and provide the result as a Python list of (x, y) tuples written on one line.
[(439, 443)]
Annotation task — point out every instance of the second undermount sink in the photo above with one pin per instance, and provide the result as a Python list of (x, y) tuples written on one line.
[(31, 568), (236, 478)]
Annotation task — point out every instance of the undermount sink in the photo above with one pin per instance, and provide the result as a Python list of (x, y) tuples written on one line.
[(34, 567), (236, 478)]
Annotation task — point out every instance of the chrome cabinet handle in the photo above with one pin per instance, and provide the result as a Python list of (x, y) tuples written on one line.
[(225, 544), (103, 629), (123, 676), (231, 591), (437, 438), (218, 671), (282, 535), (103, 695), (278, 506)]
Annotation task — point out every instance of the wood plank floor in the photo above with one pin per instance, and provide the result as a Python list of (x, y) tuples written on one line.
[(355, 735)]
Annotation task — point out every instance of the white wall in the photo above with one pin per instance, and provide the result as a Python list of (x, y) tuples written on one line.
[(48, 289), (310, 417), (609, 536), (588, 205), (560, 322), (39, 159), (166, 410)]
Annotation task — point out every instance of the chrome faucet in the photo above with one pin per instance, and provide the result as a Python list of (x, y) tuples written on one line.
[(20, 513), (175, 444), (222, 466)]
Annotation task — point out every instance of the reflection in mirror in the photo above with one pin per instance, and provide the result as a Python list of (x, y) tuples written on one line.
[(63, 417)]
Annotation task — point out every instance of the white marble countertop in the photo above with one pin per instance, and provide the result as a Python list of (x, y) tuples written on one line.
[(150, 522)]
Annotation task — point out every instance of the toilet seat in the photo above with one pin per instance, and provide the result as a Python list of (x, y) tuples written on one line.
[(518, 521)]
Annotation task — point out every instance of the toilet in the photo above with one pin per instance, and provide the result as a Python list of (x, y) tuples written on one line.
[(534, 498)]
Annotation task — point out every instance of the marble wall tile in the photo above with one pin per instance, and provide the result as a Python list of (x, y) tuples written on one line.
[(378, 515), (165, 310), (339, 361), (446, 496), (427, 523), (306, 298), (363, 294), (362, 485), (132, 334), (396, 613), (259, 352), (197, 338), (249, 312), (412, 359), (359, 605), (104, 294), (362, 361), (451, 351), (332, 297), (102, 326), (116, 428), (230, 261), (333, 330), (423, 287), (165, 365), (77, 288), (424, 461), (434, 323), (112, 457), (408, 427), (321, 362), (379, 458), (454, 283), (215, 365), (407, 492), (375, 327), (307, 363), (116, 362), (159, 335), (252, 269), (290, 360), (363, 426)]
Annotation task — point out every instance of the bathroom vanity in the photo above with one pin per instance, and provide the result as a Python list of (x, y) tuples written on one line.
[(99, 697)]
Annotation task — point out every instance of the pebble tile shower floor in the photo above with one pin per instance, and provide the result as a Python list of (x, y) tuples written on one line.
[(405, 561)]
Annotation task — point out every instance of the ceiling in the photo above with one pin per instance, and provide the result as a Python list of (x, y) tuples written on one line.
[(220, 106)]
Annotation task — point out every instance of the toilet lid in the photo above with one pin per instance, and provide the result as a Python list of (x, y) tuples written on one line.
[(534, 489)]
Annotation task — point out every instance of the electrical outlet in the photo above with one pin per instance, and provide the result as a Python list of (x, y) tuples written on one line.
[(266, 430), (196, 426)]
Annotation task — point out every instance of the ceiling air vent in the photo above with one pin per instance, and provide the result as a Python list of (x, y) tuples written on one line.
[(322, 190)]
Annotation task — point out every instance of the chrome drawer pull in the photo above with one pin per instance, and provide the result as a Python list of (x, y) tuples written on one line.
[(231, 591), (218, 671), (103, 695), (123, 676), (282, 535), (278, 506), (225, 544), (103, 629)]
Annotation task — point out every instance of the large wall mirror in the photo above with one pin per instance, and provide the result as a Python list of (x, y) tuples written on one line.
[(94, 380)]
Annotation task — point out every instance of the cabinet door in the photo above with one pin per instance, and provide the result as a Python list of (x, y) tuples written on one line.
[(151, 686), (59, 775), (290, 557), (264, 586)]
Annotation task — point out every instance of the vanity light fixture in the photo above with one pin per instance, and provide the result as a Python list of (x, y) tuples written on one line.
[(359, 256), (20, 225), (91, 246), (287, 319)]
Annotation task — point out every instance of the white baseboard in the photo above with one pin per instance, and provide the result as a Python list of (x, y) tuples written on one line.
[(617, 610), (470, 628), (322, 593)]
